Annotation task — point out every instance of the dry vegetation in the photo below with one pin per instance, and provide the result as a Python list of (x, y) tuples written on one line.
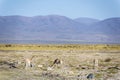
[(77, 62), (94, 47)]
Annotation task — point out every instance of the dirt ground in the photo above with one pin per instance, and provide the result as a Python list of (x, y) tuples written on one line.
[(74, 65)]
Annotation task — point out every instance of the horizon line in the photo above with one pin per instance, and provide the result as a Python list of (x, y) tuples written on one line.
[(56, 15)]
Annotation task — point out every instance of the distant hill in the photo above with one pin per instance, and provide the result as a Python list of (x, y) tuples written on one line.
[(55, 27), (87, 21), (108, 26)]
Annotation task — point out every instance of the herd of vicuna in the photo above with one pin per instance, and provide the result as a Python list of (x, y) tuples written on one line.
[(29, 64), (56, 62)]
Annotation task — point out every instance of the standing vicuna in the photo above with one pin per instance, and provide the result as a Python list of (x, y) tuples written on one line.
[(28, 62), (95, 64)]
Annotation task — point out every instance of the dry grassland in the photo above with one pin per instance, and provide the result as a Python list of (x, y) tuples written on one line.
[(78, 61)]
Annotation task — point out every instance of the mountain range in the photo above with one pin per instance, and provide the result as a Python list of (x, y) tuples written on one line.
[(56, 27)]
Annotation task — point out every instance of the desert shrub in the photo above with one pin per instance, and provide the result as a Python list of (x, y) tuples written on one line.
[(8, 45), (112, 70), (108, 60)]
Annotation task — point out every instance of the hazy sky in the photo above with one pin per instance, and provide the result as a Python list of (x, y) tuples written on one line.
[(99, 9)]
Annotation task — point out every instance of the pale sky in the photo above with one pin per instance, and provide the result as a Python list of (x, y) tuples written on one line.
[(99, 9)]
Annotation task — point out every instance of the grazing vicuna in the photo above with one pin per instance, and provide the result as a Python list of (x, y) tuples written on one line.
[(56, 62)]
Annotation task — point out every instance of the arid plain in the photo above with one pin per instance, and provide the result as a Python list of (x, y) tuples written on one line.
[(75, 62)]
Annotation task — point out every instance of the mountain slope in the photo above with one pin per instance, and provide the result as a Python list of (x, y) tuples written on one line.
[(108, 26), (108, 29)]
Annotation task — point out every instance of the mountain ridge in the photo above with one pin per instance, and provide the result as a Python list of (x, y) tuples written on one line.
[(56, 27)]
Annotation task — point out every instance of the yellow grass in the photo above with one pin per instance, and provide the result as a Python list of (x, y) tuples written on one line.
[(97, 47)]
